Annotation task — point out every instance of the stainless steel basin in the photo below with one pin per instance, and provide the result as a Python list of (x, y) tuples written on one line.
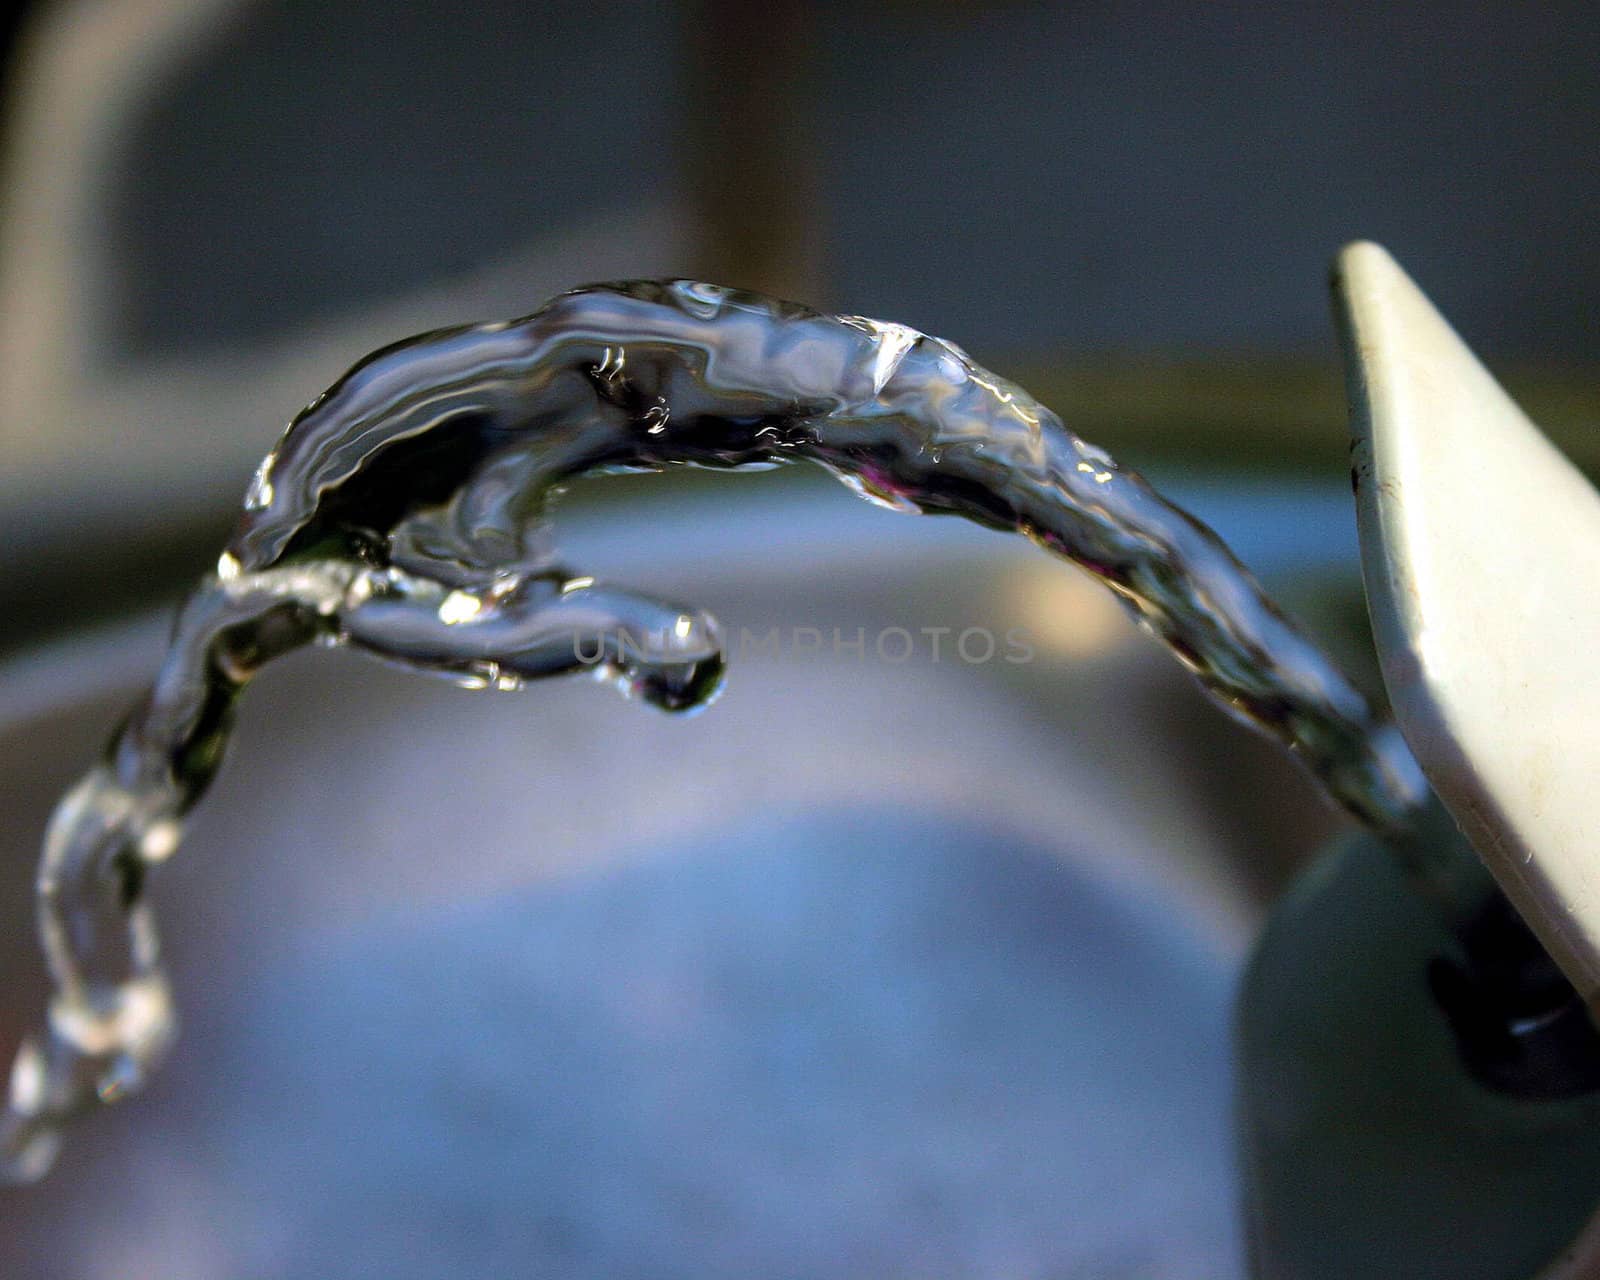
[(878, 968)]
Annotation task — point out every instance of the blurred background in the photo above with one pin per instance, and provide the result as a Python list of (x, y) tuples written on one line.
[(935, 984)]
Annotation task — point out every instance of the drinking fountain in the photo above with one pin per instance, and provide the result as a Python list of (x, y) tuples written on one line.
[(1415, 1047), (1419, 1068)]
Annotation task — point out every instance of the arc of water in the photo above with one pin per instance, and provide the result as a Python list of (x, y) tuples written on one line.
[(404, 513)]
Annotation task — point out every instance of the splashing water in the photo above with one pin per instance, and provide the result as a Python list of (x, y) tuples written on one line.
[(404, 513)]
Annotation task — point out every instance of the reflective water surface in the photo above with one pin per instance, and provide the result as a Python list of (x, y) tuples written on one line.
[(404, 513)]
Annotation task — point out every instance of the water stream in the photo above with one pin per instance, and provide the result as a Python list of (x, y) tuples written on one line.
[(405, 513)]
